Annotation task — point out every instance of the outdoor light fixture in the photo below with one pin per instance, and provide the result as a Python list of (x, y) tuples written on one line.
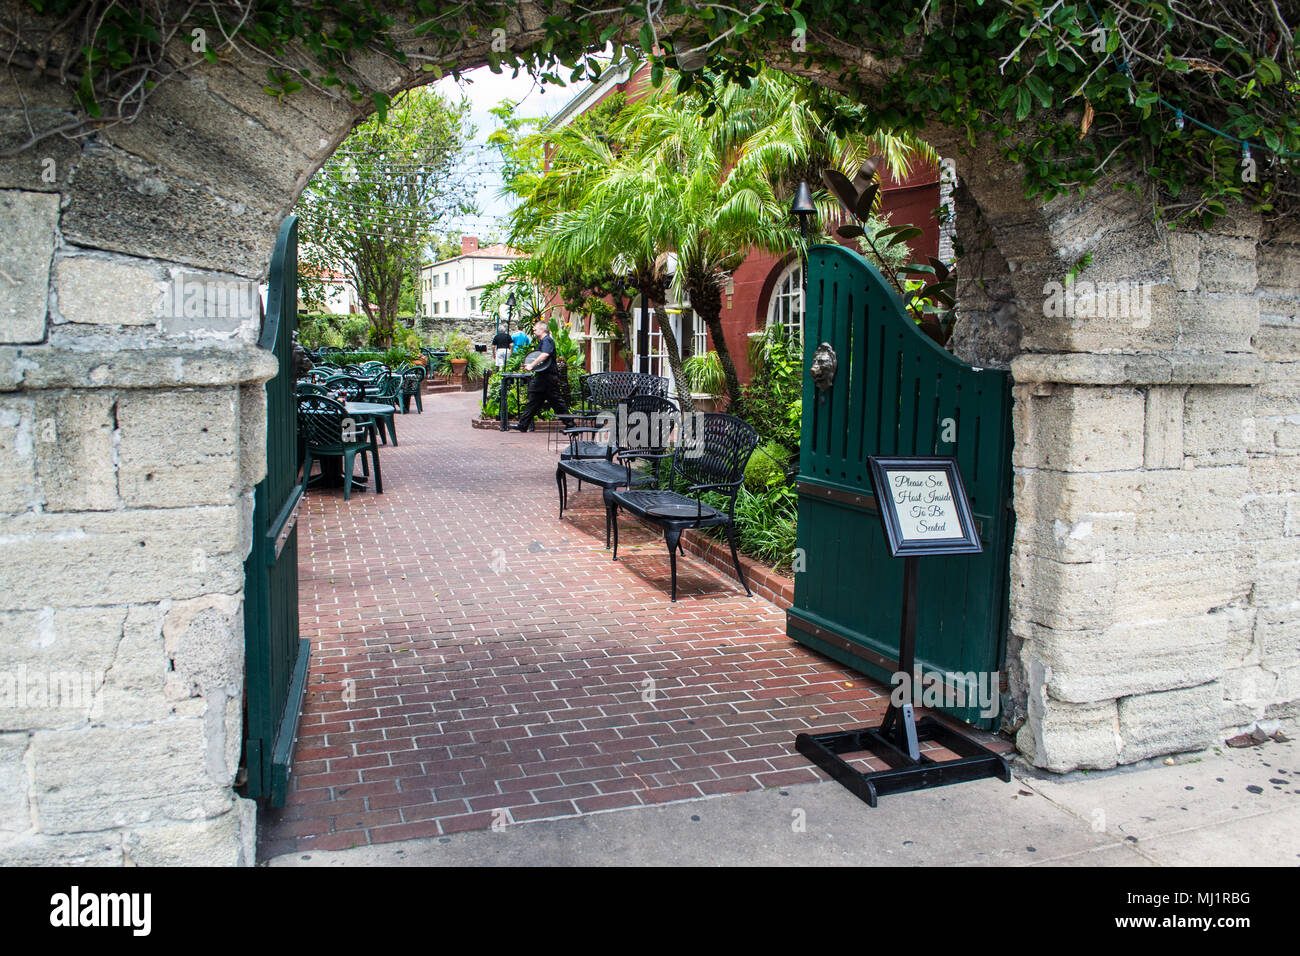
[(803, 207)]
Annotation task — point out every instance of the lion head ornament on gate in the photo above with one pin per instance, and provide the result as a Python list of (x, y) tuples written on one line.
[(824, 364)]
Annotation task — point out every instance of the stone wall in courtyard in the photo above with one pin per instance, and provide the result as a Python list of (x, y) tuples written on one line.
[(1155, 576), (131, 446)]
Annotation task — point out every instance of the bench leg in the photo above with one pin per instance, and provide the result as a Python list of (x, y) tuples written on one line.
[(615, 532), (673, 536), (561, 486), (740, 573)]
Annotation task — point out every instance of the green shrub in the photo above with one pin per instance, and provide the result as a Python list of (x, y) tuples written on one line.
[(408, 338), (776, 388), (458, 345), (476, 365), (355, 330), (766, 467), (318, 331), (766, 522), (395, 357)]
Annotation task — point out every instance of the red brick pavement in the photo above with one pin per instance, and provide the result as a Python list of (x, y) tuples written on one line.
[(475, 660)]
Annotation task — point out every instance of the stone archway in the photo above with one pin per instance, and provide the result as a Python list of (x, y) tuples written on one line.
[(1157, 551)]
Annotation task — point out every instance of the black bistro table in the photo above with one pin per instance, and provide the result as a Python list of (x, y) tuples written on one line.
[(506, 379)]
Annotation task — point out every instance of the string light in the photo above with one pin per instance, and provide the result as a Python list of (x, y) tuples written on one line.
[(1180, 118)]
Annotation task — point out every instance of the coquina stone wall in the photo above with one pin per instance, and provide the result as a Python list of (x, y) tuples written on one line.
[(1154, 573), (1155, 564)]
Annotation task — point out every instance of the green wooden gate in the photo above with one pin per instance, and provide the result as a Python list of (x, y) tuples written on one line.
[(897, 393), (275, 657)]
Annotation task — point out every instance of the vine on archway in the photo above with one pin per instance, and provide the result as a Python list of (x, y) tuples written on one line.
[(1200, 98)]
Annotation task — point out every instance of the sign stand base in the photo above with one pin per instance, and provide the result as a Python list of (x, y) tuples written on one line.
[(905, 773), (897, 740)]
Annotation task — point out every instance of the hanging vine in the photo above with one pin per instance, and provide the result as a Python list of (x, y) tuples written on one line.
[(1199, 100)]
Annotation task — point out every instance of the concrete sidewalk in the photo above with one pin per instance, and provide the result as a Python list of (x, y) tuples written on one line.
[(1223, 807)]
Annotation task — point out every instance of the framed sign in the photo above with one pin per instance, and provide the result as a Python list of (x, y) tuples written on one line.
[(923, 505)]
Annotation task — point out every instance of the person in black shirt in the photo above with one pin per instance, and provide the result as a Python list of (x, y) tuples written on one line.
[(503, 344), (544, 389)]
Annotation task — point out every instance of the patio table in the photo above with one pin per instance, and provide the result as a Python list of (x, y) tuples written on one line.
[(375, 413), (506, 379)]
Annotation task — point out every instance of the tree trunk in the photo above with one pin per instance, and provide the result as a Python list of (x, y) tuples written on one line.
[(684, 400), (706, 299)]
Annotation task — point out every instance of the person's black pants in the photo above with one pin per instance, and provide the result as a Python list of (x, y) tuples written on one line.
[(542, 391)]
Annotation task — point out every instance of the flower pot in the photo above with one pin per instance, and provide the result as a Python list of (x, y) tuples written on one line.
[(458, 369)]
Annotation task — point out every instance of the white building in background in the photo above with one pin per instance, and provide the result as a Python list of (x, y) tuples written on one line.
[(454, 287), (335, 292)]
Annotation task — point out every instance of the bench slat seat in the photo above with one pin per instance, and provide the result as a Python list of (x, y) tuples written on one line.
[(711, 457)]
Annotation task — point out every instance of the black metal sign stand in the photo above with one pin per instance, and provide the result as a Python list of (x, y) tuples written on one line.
[(898, 738), (506, 379)]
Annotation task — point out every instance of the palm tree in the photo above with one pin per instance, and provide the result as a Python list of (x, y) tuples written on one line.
[(715, 177), (706, 180), (581, 220), (697, 205), (610, 228)]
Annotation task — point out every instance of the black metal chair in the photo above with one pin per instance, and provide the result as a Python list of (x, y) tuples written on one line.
[(327, 431), (602, 391), (607, 389), (641, 423), (713, 458)]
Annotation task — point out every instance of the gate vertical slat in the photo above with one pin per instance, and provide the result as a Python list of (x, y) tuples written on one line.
[(275, 656), (893, 389)]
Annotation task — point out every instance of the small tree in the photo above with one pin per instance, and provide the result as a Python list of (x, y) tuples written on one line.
[(373, 208)]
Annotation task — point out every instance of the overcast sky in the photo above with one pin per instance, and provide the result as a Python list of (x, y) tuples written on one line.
[(484, 90)]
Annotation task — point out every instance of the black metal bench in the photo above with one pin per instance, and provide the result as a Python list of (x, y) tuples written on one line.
[(641, 424), (712, 458)]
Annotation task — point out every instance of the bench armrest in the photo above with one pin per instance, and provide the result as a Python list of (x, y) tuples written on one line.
[(715, 487), (631, 453)]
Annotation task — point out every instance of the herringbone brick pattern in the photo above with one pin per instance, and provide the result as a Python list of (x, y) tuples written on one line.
[(475, 660)]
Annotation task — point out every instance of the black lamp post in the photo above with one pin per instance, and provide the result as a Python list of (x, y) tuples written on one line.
[(504, 400), (803, 208)]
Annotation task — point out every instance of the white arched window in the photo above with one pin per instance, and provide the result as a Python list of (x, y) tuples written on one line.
[(786, 305)]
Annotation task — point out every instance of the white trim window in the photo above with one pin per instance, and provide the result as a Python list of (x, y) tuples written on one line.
[(651, 359), (700, 334), (786, 304), (602, 354)]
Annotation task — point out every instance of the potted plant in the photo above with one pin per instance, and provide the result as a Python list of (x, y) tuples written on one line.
[(459, 348)]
